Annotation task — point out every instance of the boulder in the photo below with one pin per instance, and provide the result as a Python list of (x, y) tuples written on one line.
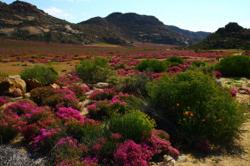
[(12, 86)]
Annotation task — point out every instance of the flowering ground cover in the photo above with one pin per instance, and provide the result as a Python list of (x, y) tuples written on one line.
[(156, 101)]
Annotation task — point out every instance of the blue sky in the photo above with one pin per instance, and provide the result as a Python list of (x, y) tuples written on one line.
[(196, 15)]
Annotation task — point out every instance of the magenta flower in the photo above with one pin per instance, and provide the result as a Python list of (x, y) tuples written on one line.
[(43, 135), (65, 113), (217, 74), (69, 141), (234, 91), (130, 153), (3, 100), (90, 161)]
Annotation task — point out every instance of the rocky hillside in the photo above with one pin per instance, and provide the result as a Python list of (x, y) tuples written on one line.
[(21, 20), (232, 36)]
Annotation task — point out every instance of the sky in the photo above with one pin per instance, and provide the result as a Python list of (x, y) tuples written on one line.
[(195, 15)]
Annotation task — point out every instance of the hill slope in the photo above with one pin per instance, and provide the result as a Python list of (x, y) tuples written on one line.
[(232, 36), (21, 20)]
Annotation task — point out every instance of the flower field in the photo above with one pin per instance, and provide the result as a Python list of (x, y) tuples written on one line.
[(124, 107)]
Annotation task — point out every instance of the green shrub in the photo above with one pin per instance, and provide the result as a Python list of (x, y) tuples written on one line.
[(198, 64), (135, 103), (134, 85), (197, 108), (134, 125), (174, 61), (235, 66), (44, 75), (94, 70), (151, 65), (86, 134)]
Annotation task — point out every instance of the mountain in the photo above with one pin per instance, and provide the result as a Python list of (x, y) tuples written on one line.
[(143, 28), (21, 20), (232, 36)]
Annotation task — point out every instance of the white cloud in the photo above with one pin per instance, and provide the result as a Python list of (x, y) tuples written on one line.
[(59, 13)]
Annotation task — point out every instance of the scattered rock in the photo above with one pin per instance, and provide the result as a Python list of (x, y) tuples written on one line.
[(27, 95), (11, 156), (55, 86), (12, 86), (102, 85), (244, 91), (167, 161), (89, 92)]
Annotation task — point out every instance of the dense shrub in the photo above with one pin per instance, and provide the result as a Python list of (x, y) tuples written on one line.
[(235, 66), (133, 125), (134, 85), (44, 75), (93, 70), (67, 149), (174, 61), (151, 65), (9, 123), (54, 97), (131, 153), (196, 107), (46, 139)]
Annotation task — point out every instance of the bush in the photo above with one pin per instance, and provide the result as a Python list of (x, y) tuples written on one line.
[(235, 66), (151, 65), (93, 70), (131, 153), (196, 108), (54, 97), (66, 149), (174, 61), (134, 85), (44, 75), (133, 125), (8, 126)]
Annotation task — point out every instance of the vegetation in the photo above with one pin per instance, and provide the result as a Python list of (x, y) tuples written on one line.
[(93, 70), (151, 65), (42, 74), (235, 66), (197, 109), (133, 125)]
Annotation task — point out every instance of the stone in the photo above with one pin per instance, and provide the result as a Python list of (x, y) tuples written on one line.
[(55, 86), (244, 91), (12, 86), (102, 85), (27, 95)]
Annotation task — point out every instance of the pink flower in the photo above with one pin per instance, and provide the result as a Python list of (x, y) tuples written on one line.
[(234, 91), (67, 94), (43, 135), (3, 100), (65, 113), (217, 74), (90, 161), (116, 136), (69, 141), (92, 107), (131, 154), (116, 100)]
